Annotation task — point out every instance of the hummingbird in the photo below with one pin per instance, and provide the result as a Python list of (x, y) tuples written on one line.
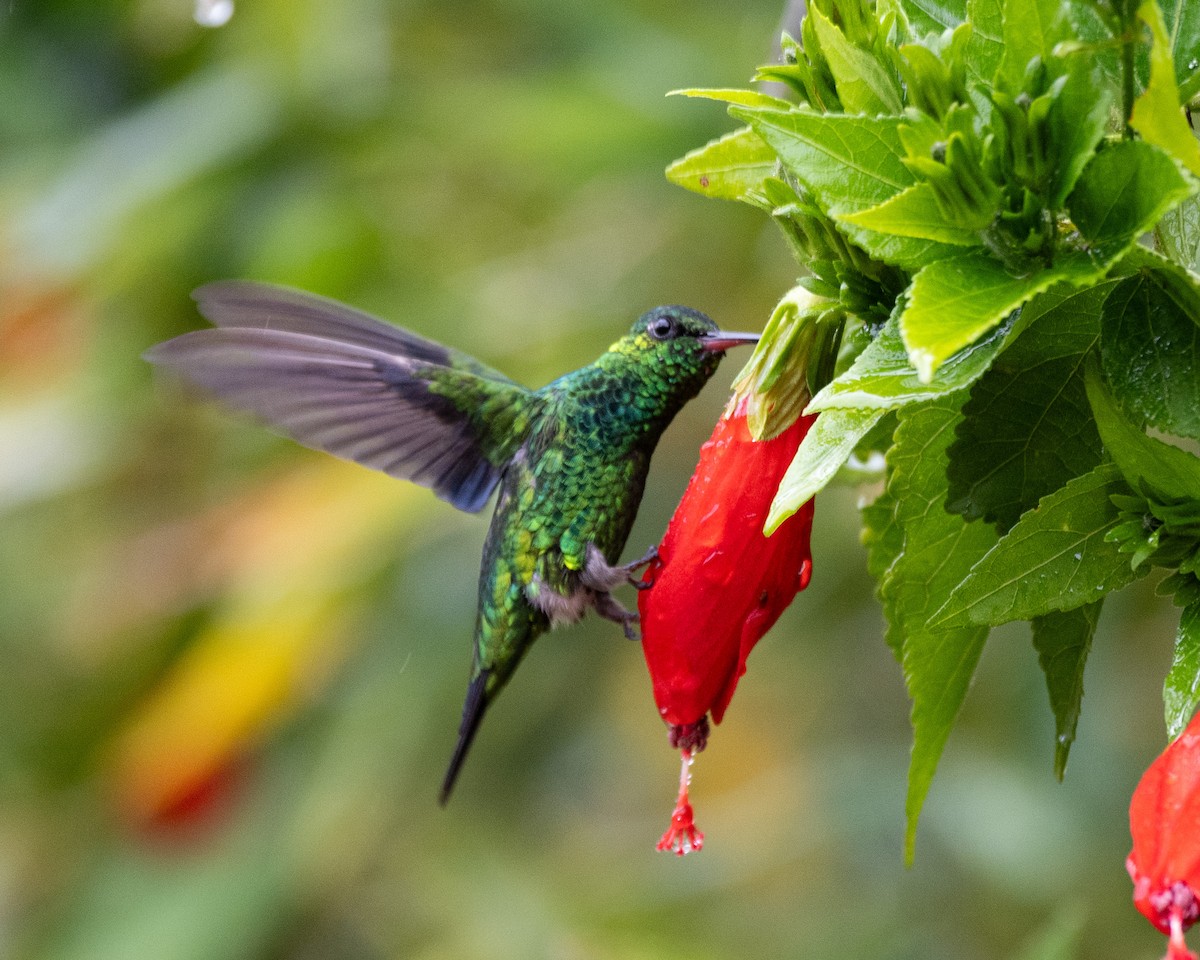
[(570, 459)]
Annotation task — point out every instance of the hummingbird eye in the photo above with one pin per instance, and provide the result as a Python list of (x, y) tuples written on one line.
[(663, 328)]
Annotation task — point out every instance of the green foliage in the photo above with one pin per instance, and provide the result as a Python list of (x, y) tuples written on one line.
[(988, 168), (1063, 640), (937, 547)]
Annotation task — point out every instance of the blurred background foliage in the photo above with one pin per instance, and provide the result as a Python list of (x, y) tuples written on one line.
[(232, 669)]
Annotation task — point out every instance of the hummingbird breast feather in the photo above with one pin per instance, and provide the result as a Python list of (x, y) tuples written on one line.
[(559, 607)]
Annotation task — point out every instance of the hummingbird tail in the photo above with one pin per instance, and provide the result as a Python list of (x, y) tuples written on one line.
[(474, 708)]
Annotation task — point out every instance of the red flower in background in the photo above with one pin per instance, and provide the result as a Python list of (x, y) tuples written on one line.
[(1164, 818)]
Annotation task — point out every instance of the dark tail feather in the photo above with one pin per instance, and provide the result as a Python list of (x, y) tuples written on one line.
[(473, 710)]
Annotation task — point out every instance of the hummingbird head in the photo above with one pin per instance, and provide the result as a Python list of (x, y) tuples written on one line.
[(669, 353), (681, 340)]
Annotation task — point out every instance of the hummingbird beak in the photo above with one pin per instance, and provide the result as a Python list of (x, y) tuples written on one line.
[(720, 340)]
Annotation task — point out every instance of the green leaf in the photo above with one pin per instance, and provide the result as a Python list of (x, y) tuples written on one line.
[(985, 48), (1178, 232), (851, 163), (1157, 113), (882, 378), (745, 98), (1172, 472), (1027, 427), (939, 548), (953, 302), (731, 168), (1055, 558), (1079, 118), (1093, 40), (848, 164), (1181, 689), (912, 213), (828, 445), (1122, 193), (1183, 18), (883, 537), (863, 84), (1063, 640), (1031, 29), (932, 16), (1151, 351)]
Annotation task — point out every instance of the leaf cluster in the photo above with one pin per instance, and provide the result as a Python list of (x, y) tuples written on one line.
[(969, 185)]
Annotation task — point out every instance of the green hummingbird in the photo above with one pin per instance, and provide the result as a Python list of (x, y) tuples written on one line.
[(570, 459)]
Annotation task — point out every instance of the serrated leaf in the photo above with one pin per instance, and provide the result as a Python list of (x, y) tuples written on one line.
[(828, 444), (1031, 28), (863, 84), (912, 213), (1027, 427), (730, 168), (1157, 114), (882, 378), (847, 163), (1079, 116), (883, 537), (1178, 232), (1094, 34), (985, 48), (745, 98), (932, 16), (1172, 472), (1121, 194), (938, 549), (1183, 19), (1181, 689), (1063, 640), (1151, 352), (955, 301), (1055, 558)]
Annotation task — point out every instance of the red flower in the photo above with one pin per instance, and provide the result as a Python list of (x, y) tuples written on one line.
[(1164, 818), (717, 585)]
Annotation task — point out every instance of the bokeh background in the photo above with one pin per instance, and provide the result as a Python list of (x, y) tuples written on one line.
[(231, 670)]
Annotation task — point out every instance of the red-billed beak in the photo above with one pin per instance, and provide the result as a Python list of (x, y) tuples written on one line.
[(720, 340)]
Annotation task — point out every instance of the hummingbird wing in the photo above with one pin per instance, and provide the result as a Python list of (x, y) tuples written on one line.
[(339, 380)]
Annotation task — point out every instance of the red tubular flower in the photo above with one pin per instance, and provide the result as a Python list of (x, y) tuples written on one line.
[(717, 585), (1164, 818)]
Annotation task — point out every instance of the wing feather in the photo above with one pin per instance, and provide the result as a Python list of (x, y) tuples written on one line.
[(265, 306), (341, 381)]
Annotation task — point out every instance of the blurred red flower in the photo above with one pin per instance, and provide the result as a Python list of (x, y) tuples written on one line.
[(1164, 818)]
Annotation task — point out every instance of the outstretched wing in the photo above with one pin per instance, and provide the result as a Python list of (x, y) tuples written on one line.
[(342, 381)]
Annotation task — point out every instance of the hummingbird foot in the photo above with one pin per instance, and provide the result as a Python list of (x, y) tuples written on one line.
[(610, 609), (599, 575), (631, 568)]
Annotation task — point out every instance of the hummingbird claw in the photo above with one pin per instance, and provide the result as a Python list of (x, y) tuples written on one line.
[(646, 559), (608, 607), (630, 569)]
